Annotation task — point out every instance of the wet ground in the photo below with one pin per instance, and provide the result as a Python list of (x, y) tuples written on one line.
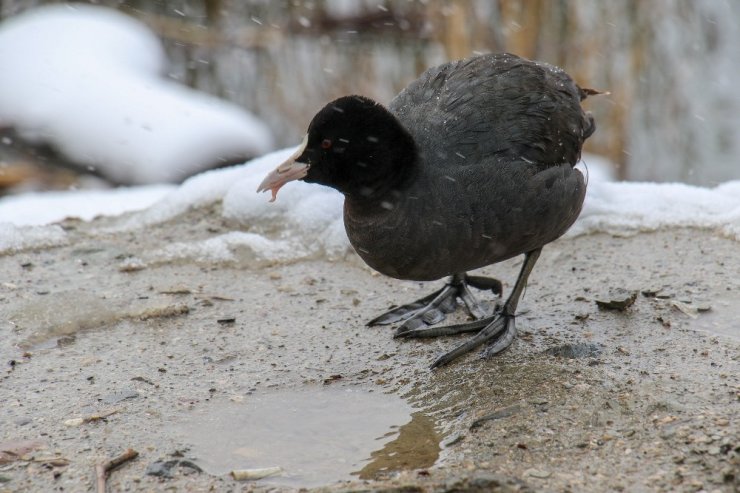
[(205, 367)]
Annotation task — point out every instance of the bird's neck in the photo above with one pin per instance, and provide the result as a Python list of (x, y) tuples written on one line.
[(390, 171), (386, 194)]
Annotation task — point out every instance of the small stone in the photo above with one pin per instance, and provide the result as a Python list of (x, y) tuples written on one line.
[(650, 292), (703, 307), (132, 264), (162, 469), (618, 299), (537, 473), (74, 422)]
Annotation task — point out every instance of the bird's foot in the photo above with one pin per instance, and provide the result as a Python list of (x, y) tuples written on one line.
[(434, 308), (498, 332)]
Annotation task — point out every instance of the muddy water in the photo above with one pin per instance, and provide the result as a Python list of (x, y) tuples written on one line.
[(315, 435)]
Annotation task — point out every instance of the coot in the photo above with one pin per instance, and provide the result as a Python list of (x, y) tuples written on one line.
[(471, 164)]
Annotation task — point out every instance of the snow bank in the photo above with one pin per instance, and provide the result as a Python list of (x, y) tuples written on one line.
[(89, 80), (306, 220), (629, 208)]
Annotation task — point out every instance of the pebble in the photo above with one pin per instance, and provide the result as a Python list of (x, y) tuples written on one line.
[(617, 299), (537, 473)]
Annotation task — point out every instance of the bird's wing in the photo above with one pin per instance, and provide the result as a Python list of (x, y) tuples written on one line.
[(496, 105)]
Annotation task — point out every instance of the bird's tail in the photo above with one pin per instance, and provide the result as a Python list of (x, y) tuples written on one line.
[(585, 92)]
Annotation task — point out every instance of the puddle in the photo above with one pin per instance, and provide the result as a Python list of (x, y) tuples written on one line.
[(317, 436), (723, 319)]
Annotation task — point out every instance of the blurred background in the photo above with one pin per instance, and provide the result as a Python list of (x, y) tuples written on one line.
[(672, 67)]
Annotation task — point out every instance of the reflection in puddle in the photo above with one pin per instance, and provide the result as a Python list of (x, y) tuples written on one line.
[(317, 436), (415, 446)]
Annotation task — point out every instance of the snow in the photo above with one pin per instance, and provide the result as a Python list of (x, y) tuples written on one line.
[(626, 208), (94, 90), (223, 248), (306, 220), (49, 207)]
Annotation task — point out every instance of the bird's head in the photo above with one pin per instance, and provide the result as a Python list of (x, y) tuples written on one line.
[(354, 145)]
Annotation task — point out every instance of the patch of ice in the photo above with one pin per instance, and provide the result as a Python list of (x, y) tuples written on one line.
[(95, 91), (16, 238), (232, 246)]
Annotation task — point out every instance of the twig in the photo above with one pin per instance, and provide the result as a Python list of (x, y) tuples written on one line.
[(102, 470)]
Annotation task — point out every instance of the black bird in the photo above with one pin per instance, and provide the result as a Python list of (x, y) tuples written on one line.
[(471, 164)]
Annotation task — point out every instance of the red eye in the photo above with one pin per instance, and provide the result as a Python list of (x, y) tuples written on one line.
[(326, 143)]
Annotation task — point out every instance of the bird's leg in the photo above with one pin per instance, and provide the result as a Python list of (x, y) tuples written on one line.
[(433, 308), (498, 331)]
